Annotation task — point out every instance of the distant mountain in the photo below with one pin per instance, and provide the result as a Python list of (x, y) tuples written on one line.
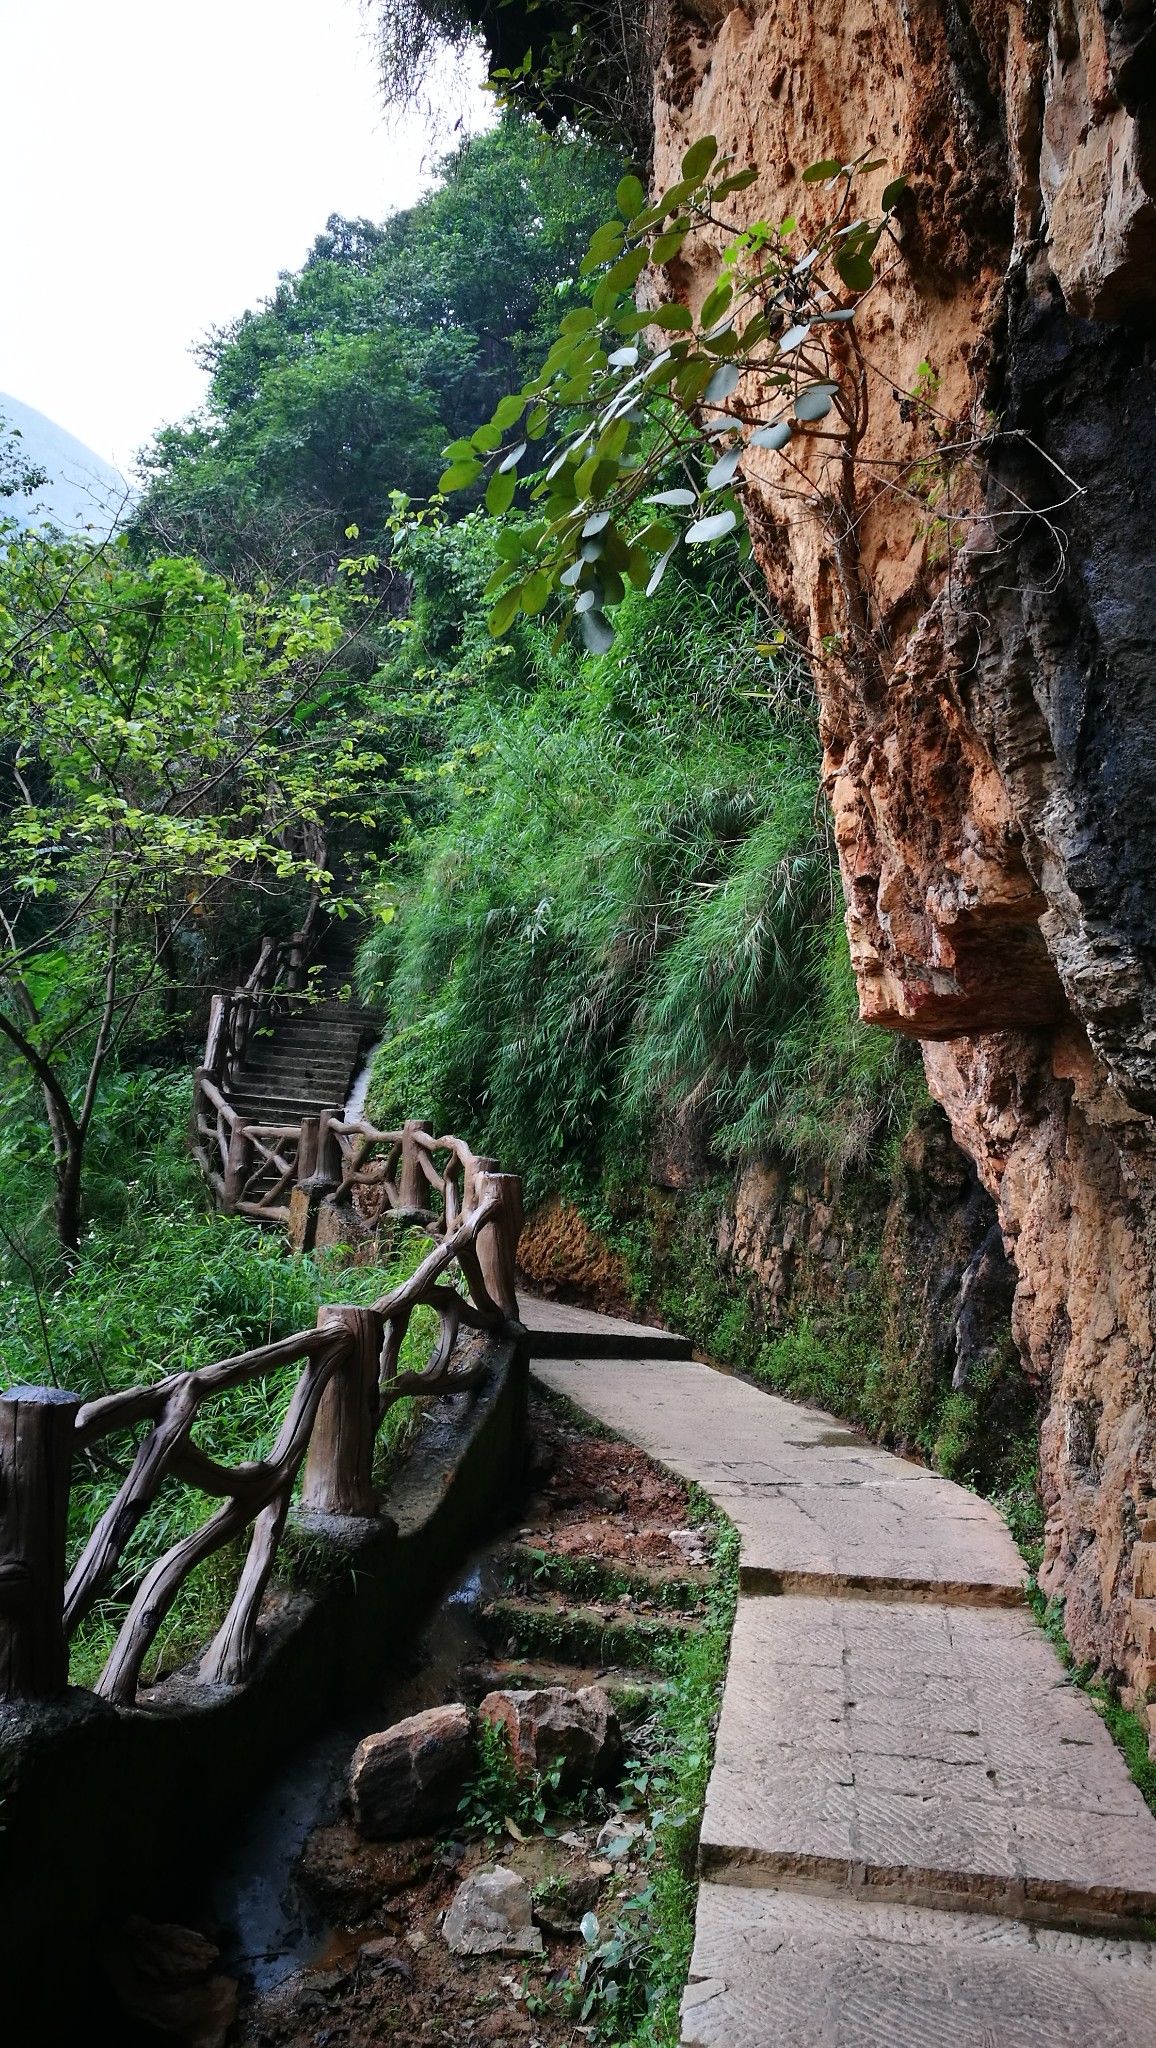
[(82, 491)]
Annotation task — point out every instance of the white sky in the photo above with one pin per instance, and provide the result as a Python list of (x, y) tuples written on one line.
[(162, 162)]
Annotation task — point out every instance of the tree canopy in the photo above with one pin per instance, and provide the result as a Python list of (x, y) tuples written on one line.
[(388, 342), (169, 744)]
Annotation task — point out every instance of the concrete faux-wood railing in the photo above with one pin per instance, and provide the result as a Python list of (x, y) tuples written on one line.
[(348, 1381)]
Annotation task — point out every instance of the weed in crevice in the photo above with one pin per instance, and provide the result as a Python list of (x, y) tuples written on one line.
[(629, 1980), (496, 1795), (1128, 1729)]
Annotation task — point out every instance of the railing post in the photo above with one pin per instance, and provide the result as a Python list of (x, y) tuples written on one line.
[(328, 1162), (307, 1148), (497, 1240), (412, 1185), (237, 1166), (237, 1043), (215, 1036), (36, 1426), (475, 1170), (339, 1466)]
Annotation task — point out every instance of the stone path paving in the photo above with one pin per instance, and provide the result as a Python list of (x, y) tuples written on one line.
[(916, 1829)]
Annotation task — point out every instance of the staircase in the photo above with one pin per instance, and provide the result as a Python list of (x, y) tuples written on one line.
[(303, 1058)]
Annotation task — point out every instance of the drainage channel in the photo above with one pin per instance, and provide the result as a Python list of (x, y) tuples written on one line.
[(269, 1924)]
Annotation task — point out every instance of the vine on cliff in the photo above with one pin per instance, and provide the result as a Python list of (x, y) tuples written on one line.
[(646, 447)]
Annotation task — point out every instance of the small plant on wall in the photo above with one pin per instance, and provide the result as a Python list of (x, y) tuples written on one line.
[(636, 435)]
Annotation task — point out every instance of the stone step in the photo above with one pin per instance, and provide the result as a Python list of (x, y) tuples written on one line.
[(282, 1109), (306, 1078), (602, 1580), (631, 1691), (515, 1625), (558, 1330), (933, 1753), (818, 1506), (803, 1970)]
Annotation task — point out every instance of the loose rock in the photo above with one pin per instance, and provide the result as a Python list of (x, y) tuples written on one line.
[(165, 1976), (492, 1914), (352, 1876), (410, 1777), (578, 1730), (560, 1910)]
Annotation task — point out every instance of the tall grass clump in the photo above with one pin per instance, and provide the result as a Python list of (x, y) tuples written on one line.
[(620, 912)]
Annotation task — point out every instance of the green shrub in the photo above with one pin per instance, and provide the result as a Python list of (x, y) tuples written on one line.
[(619, 906)]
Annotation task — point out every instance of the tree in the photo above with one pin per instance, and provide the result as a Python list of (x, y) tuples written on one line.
[(168, 744), (346, 385), (18, 476)]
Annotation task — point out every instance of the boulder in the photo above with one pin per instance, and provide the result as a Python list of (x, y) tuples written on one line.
[(166, 1976), (352, 1876), (492, 1914), (579, 1730), (410, 1777)]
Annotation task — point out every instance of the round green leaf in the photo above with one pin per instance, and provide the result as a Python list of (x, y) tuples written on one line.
[(630, 196), (657, 537), (532, 594), (772, 437), (598, 633), (723, 383), (718, 524), (638, 567), (508, 410), (604, 243), (815, 402), (723, 470), (856, 270), (672, 318), (817, 174), (459, 475), (737, 182), (716, 303), (625, 272), (667, 246), (699, 157), (504, 613), (500, 491)]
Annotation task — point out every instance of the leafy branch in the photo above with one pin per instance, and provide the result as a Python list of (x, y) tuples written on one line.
[(636, 435)]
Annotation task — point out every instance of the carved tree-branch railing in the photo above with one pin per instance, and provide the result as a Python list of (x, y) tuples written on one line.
[(280, 971), (349, 1378)]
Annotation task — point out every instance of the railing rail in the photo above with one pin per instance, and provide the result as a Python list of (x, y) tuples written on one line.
[(349, 1379), (280, 969)]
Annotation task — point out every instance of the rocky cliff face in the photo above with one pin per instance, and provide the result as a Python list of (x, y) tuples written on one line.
[(981, 622)]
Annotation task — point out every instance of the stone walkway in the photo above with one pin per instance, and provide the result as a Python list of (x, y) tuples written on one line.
[(917, 1830)]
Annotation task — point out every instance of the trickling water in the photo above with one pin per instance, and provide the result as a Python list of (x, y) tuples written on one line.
[(270, 1925), (360, 1087)]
